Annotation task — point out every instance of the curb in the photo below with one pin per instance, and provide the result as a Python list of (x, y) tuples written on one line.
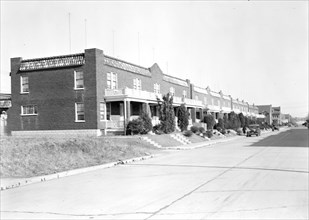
[(205, 144), (44, 178), (202, 144)]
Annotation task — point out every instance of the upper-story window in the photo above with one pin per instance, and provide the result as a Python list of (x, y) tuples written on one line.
[(112, 81), (196, 97), (29, 110), (79, 112), (205, 100), (172, 91), (24, 84), (184, 94), (156, 88), (137, 84), (78, 80)]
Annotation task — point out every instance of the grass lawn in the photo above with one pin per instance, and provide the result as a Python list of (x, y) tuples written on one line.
[(28, 157)]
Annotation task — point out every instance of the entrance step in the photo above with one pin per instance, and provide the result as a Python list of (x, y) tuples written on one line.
[(180, 138), (148, 140)]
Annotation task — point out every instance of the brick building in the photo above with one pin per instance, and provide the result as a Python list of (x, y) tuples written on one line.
[(92, 93)]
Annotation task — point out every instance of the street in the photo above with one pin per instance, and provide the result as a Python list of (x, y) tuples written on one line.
[(263, 177)]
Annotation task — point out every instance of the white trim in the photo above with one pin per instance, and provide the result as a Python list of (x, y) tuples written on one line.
[(32, 114), (76, 116), (75, 88), (21, 85)]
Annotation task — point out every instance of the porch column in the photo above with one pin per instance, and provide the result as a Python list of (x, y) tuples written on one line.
[(128, 110), (125, 115), (193, 114)]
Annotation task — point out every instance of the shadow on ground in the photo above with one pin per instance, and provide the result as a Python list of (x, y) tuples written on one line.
[(289, 138)]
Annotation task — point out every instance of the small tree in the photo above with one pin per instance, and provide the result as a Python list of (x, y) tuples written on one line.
[(210, 121), (167, 115), (226, 121), (242, 119), (183, 118), (147, 124)]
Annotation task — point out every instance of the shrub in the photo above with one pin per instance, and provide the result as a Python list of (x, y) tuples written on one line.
[(167, 115), (147, 124), (183, 118), (210, 121), (208, 133), (135, 126), (188, 133), (223, 131), (194, 129), (201, 129)]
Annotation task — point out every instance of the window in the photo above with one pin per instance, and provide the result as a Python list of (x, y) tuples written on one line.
[(78, 80), (112, 81), (102, 111), (205, 100), (137, 84), (24, 84), (156, 88), (196, 97), (29, 110), (184, 93), (79, 112), (172, 91)]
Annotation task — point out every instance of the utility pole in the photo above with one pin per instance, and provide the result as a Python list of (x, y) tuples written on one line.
[(85, 33), (70, 32)]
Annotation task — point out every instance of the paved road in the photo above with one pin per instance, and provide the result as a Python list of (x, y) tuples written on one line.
[(236, 180)]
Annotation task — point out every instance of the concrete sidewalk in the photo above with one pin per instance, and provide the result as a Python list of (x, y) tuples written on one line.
[(9, 183)]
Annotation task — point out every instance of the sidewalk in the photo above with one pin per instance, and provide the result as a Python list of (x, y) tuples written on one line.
[(8, 183)]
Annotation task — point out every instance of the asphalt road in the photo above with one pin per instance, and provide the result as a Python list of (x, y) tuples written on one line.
[(249, 178)]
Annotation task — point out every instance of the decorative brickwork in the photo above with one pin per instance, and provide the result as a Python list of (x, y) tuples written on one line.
[(110, 61), (52, 62), (175, 80)]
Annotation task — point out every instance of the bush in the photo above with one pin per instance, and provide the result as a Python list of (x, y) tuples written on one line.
[(223, 131), (183, 118), (201, 129), (194, 129), (147, 124), (157, 129), (188, 133), (210, 121), (208, 133), (135, 126), (167, 116)]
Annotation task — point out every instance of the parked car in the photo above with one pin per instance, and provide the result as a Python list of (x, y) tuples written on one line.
[(254, 129)]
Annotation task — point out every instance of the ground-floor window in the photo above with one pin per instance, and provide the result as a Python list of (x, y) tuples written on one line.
[(79, 112), (29, 110)]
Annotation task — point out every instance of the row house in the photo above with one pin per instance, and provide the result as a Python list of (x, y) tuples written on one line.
[(95, 94), (89, 93)]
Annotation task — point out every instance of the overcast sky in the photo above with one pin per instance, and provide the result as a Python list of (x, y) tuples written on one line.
[(256, 51)]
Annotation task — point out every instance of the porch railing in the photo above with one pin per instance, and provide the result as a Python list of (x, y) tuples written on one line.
[(133, 93)]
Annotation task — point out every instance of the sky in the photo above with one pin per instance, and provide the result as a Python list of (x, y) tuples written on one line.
[(254, 50)]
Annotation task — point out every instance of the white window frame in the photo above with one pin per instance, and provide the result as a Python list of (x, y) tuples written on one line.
[(137, 84), (184, 94), (76, 113), (33, 108), (112, 80), (22, 85), (156, 88), (75, 80)]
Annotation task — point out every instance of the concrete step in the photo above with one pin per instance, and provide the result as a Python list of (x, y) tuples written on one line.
[(147, 139)]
